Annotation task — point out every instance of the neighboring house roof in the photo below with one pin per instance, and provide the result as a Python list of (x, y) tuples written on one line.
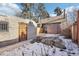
[(55, 19)]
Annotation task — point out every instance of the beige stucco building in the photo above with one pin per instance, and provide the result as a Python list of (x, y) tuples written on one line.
[(14, 29)]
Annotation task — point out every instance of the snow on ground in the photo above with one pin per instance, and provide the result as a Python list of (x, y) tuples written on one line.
[(48, 35), (40, 49)]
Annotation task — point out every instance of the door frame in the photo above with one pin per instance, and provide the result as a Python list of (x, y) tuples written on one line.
[(19, 31)]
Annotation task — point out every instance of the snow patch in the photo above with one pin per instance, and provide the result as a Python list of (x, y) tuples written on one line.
[(40, 49)]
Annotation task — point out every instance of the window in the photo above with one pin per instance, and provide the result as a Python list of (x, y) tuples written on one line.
[(3, 26)]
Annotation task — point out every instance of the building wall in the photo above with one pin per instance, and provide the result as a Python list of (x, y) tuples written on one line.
[(52, 28), (12, 34), (66, 29)]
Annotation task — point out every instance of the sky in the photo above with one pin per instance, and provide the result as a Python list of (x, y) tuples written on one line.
[(51, 6), (9, 9), (14, 9)]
